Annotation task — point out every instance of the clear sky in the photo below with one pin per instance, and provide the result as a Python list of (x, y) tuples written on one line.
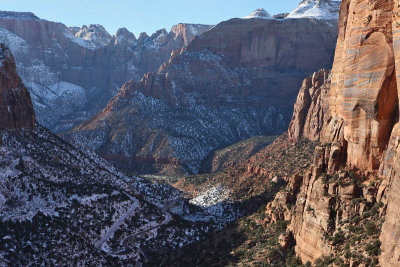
[(143, 15)]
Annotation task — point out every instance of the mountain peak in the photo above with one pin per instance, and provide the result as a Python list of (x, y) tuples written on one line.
[(94, 33), (125, 37), (259, 13), (18, 15), (319, 9)]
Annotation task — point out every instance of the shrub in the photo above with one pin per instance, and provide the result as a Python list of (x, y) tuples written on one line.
[(370, 228), (338, 239), (373, 248)]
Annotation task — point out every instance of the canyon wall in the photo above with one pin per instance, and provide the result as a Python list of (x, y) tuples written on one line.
[(355, 169)]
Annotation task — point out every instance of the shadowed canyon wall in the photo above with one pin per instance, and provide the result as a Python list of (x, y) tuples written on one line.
[(16, 109)]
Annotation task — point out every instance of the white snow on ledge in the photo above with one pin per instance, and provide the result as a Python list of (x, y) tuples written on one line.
[(259, 13), (318, 9), (81, 42)]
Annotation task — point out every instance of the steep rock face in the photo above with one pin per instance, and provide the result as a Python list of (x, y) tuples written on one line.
[(234, 81), (360, 136), (16, 109), (364, 90), (73, 72), (311, 107)]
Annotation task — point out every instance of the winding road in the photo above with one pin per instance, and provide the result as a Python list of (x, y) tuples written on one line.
[(127, 249), (99, 244)]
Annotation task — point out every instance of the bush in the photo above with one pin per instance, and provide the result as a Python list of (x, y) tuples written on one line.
[(338, 239), (370, 228), (280, 226), (373, 248)]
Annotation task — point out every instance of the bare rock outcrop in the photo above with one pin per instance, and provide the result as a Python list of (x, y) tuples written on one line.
[(16, 109), (311, 107)]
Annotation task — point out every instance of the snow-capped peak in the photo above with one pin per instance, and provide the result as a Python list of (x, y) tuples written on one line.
[(259, 13), (319, 9), (95, 33)]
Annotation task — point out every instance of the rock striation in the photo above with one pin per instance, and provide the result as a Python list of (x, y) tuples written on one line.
[(73, 72), (234, 81), (16, 109)]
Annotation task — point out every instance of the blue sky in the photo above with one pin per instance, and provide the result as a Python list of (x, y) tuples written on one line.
[(143, 15)]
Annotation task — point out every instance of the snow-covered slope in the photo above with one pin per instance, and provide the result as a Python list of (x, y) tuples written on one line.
[(59, 205), (319, 9), (259, 13)]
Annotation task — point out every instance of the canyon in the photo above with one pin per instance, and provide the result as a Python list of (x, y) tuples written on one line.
[(62, 206), (324, 193), (234, 81)]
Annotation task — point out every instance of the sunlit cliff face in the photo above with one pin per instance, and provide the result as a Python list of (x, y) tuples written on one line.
[(365, 88)]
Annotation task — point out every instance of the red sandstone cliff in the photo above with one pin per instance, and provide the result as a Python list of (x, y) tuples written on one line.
[(311, 107), (355, 173), (16, 110)]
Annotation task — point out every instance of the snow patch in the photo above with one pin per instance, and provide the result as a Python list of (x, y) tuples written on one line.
[(259, 13), (13, 41), (318, 9), (211, 196)]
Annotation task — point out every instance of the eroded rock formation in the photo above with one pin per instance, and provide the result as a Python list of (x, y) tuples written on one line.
[(311, 107), (16, 110)]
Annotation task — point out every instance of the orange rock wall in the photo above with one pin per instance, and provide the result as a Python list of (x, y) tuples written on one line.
[(364, 89), (361, 130)]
